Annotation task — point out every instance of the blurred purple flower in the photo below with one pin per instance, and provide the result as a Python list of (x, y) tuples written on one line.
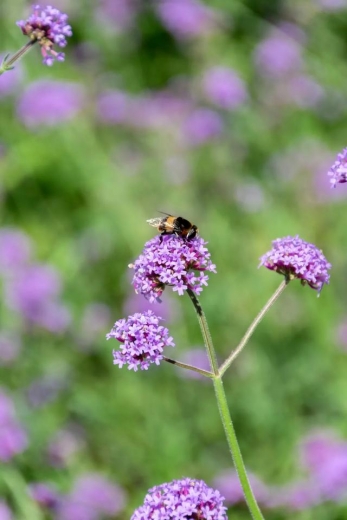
[(229, 485), (95, 319), (332, 5), (45, 390), (325, 457), (278, 54), (295, 496), (299, 90), (158, 110), (295, 258), (224, 87), (98, 494), (304, 91), (142, 341), (5, 511), (34, 293), (169, 260), (338, 171), (69, 509), (186, 18), (113, 106), (117, 14), (198, 358), (15, 247), (341, 335), (307, 161), (44, 494), (48, 103), (10, 82), (48, 27), (64, 445), (201, 126), (10, 347), (179, 499), (167, 308), (13, 438)]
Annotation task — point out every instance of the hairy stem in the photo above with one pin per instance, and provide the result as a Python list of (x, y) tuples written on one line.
[(235, 449), (205, 332), (7, 63)]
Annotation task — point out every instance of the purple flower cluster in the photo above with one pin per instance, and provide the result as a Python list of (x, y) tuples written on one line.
[(48, 27), (338, 171), (186, 498), (142, 339), (169, 260), (295, 258), (13, 438)]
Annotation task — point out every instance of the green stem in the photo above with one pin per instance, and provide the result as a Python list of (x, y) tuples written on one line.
[(225, 414), (7, 64), (253, 326), (27, 508), (235, 449), (205, 332), (201, 371)]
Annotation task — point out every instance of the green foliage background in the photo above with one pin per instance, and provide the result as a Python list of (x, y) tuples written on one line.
[(71, 190)]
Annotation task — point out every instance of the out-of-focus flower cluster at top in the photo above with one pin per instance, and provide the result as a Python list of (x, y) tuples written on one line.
[(323, 459), (293, 257), (142, 341), (47, 27), (171, 261), (32, 290), (185, 498)]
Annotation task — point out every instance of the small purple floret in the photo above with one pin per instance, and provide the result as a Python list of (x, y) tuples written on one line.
[(142, 341), (182, 499), (170, 260), (48, 27), (338, 171), (295, 258)]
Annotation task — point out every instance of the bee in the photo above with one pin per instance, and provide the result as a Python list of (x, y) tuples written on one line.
[(179, 226)]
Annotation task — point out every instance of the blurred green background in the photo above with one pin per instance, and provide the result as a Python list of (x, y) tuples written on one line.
[(81, 187)]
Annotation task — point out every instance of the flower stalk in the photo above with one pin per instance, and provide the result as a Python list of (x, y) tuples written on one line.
[(253, 326), (205, 332), (7, 63), (224, 410), (200, 371), (235, 449)]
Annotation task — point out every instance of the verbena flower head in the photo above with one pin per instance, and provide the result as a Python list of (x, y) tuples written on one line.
[(142, 341), (338, 171), (170, 260), (182, 499), (48, 27), (295, 258)]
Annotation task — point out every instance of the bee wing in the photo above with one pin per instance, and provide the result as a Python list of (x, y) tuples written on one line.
[(154, 222)]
